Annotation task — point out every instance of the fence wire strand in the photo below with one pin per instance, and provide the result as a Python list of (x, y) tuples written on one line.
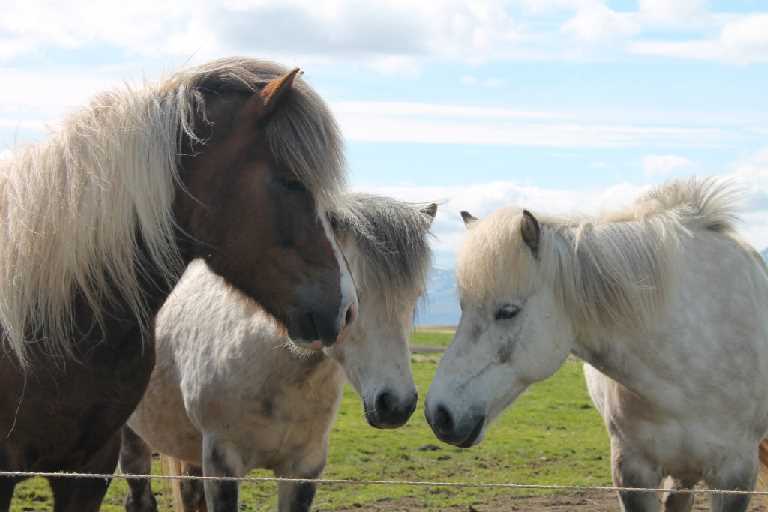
[(409, 483)]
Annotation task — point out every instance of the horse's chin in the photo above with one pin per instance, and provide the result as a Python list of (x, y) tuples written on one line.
[(475, 438), (305, 350), (315, 345)]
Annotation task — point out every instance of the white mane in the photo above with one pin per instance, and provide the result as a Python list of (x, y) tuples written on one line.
[(611, 270), (73, 210)]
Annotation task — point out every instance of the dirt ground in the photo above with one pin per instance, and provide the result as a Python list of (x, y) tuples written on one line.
[(579, 502)]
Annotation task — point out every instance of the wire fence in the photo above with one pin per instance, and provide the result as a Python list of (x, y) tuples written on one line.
[(409, 483)]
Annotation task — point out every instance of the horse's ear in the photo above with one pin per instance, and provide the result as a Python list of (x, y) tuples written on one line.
[(276, 89), (468, 218), (264, 103), (430, 210), (530, 231)]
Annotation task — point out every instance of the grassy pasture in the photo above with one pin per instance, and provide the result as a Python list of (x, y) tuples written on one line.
[(551, 435), (437, 337)]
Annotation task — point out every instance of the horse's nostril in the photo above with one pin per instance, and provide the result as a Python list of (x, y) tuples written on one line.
[(442, 420), (349, 317), (385, 403)]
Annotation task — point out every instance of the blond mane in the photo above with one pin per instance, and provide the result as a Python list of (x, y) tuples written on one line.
[(75, 208), (613, 270)]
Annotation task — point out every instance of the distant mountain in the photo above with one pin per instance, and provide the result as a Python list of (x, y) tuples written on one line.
[(440, 306), (765, 254)]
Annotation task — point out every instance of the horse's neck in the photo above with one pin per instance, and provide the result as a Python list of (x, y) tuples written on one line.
[(322, 372), (710, 332), (610, 354), (119, 331), (267, 348)]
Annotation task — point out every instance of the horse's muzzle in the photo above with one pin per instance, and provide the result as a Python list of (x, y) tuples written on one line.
[(317, 329), (463, 434), (390, 411)]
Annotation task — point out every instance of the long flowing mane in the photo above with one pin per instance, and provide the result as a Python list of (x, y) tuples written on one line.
[(616, 269), (76, 208), (393, 239)]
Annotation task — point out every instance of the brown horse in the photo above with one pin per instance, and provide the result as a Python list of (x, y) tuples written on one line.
[(233, 162)]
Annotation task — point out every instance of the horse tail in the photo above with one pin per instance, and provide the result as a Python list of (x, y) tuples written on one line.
[(173, 467)]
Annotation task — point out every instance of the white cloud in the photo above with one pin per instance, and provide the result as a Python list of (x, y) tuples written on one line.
[(752, 175), (664, 165), (543, 7), (488, 82), (480, 199), (137, 25), (53, 92), (597, 23), (676, 12), (457, 124), (695, 50), (393, 36), (437, 110), (387, 36), (397, 65), (426, 123), (746, 40), (742, 40)]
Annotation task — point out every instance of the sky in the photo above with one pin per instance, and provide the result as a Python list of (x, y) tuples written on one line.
[(554, 105)]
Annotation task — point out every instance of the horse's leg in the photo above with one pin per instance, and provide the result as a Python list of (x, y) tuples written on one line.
[(680, 502), (86, 494), (136, 459), (298, 496), (740, 475), (192, 492), (631, 470), (221, 458)]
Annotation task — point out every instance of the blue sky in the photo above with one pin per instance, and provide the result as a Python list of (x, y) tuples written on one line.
[(556, 105)]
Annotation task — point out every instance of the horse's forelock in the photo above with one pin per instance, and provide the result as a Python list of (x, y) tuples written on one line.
[(301, 134), (392, 238)]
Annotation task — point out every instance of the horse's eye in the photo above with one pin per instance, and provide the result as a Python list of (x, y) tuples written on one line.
[(293, 184), (507, 312)]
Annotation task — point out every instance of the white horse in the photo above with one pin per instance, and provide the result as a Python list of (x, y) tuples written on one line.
[(230, 392), (663, 299)]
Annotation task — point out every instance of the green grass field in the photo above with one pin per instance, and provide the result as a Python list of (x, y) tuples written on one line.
[(551, 435), (432, 337)]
